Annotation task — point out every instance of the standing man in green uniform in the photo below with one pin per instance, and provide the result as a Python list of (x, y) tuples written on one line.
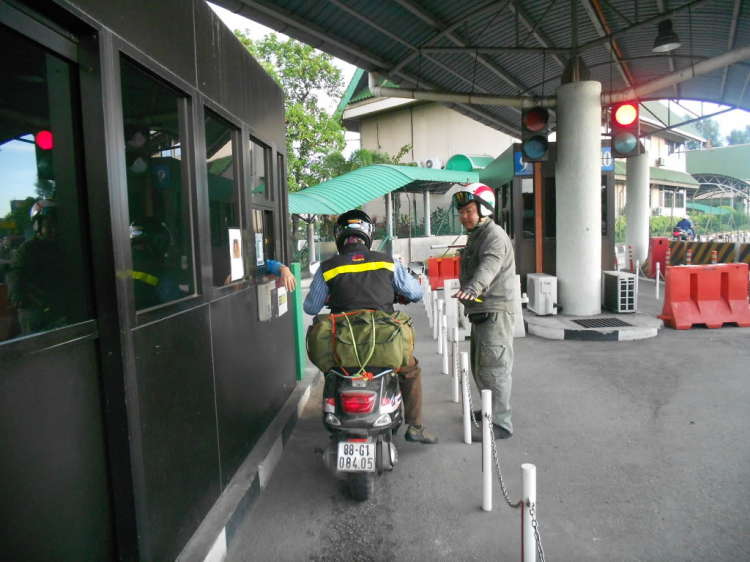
[(487, 292)]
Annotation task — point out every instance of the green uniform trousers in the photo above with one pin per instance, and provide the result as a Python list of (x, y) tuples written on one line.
[(492, 362)]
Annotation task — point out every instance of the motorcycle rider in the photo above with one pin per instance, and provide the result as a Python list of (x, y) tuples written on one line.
[(686, 225), (153, 282), (360, 278), (35, 286)]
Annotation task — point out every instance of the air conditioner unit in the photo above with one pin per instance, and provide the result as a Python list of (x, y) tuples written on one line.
[(542, 292), (434, 162), (619, 291), (660, 162)]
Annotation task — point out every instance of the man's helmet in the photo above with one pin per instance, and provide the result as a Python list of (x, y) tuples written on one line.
[(150, 236), (483, 195), (353, 223), (42, 209)]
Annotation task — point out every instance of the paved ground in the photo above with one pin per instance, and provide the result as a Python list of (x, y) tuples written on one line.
[(642, 454)]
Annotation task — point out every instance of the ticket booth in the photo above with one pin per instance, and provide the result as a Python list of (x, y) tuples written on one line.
[(526, 208)]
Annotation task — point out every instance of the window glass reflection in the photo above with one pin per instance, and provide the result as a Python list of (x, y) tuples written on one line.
[(258, 177), (43, 267), (223, 201), (158, 199)]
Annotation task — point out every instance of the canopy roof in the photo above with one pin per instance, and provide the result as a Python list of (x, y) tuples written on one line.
[(521, 47), (356, 188)]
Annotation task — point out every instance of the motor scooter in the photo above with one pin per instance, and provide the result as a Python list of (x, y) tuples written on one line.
[(362, 413)]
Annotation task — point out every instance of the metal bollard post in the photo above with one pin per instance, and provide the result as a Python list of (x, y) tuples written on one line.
[(528, 542), (637, 277), (486, 451), (444, 340), (668, 258), (630, 258), (439, 325), (456, 365), (714, 257), (658, 272), (467, 413), (689, 258), (433, 324)]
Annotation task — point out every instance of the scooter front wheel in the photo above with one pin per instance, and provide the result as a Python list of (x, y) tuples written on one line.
[(363, 486)]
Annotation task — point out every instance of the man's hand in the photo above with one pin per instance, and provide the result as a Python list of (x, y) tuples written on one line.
[(287, 278), (466, 295)]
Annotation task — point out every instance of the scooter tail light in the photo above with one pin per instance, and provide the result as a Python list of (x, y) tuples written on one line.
[(358, 402)]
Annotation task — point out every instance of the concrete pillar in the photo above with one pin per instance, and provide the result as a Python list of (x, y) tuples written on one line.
[(637, 230), (427, 225), (311, 255), (579, 214)]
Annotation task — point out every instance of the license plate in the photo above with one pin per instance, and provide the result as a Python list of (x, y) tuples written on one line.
[(356, 457)]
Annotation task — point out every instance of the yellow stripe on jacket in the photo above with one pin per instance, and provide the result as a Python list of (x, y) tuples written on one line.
[(357, 268)]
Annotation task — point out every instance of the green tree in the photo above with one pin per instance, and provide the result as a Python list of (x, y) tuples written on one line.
[(738, 136), (336, 164), (303, 73), (709, 129)]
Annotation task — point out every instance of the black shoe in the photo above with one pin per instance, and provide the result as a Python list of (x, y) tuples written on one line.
[(499, 432)]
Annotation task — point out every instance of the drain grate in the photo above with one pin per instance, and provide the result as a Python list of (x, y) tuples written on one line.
[(601, 323)]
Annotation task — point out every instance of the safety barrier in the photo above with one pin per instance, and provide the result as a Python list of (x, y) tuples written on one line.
[(713, 295), (440, 269), (701, 252), (531, 542), (658, 248), (743, 255)]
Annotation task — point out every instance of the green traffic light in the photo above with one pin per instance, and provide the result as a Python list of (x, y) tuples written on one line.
[(624, 142)]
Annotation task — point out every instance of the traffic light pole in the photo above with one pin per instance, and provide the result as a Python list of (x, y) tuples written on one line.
[(579, 213), (636, 205)]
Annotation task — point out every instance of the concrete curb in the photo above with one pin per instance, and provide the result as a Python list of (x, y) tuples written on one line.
[(560, 327), (212, 539)]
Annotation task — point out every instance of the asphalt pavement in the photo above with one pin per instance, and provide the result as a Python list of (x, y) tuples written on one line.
[(642, 451)]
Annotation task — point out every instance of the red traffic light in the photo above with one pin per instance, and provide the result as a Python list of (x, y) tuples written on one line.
[(44, 140), (626, 114), (535, 119)]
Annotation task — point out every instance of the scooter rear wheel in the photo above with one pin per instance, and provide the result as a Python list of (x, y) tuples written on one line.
[(363, 486)]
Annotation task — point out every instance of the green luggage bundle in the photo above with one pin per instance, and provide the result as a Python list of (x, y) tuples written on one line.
[(361, 338)]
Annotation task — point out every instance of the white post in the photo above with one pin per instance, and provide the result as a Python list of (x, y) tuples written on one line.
[(637, 279), (637, 207), (444, 340), (528, 542), (658, 267), (427, 226), (456, 366), (486, 451), (438, 325), (467, 413)]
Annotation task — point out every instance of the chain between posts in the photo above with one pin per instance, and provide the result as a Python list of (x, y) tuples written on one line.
[(519, 503)]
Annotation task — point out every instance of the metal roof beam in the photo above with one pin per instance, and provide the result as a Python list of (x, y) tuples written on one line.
[(730, 44), (602, 28), (646, 22), (453, 36), (495, 50), (485, 11), (526, 21)]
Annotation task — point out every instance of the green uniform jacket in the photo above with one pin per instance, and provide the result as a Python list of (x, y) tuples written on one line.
[(488, 268)]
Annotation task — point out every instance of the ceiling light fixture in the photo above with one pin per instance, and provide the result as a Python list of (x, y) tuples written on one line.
[(667, 39)]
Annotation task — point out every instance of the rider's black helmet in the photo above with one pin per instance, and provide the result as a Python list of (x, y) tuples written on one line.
[(149, 235), (353, 223)]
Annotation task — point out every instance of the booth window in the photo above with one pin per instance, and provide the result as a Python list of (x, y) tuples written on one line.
[(527, 201), (223, 201), (44, 273), (259, 186), (264, 238), (158, 195)]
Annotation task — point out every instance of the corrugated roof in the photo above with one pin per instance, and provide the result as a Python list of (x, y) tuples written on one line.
[(398, 39), (356, 188), (657, 111), (732, 161), (662, 175)]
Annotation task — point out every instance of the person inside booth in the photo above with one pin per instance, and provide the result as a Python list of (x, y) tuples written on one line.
[(153, 282)]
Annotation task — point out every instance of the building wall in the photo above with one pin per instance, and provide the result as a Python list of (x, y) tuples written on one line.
[(435, 131)]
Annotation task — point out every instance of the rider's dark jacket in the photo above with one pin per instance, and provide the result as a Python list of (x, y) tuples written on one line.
[(359, 278)]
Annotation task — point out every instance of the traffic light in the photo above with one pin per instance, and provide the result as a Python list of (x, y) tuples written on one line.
[(534, 131), (626, 127), (43, 143)]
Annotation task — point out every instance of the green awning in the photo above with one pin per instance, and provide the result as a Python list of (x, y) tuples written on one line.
[(663, 176), (468, 162), (356, 188)]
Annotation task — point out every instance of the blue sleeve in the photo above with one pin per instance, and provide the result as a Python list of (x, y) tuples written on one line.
[(405, 284), (274, 267), (316, 298)]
